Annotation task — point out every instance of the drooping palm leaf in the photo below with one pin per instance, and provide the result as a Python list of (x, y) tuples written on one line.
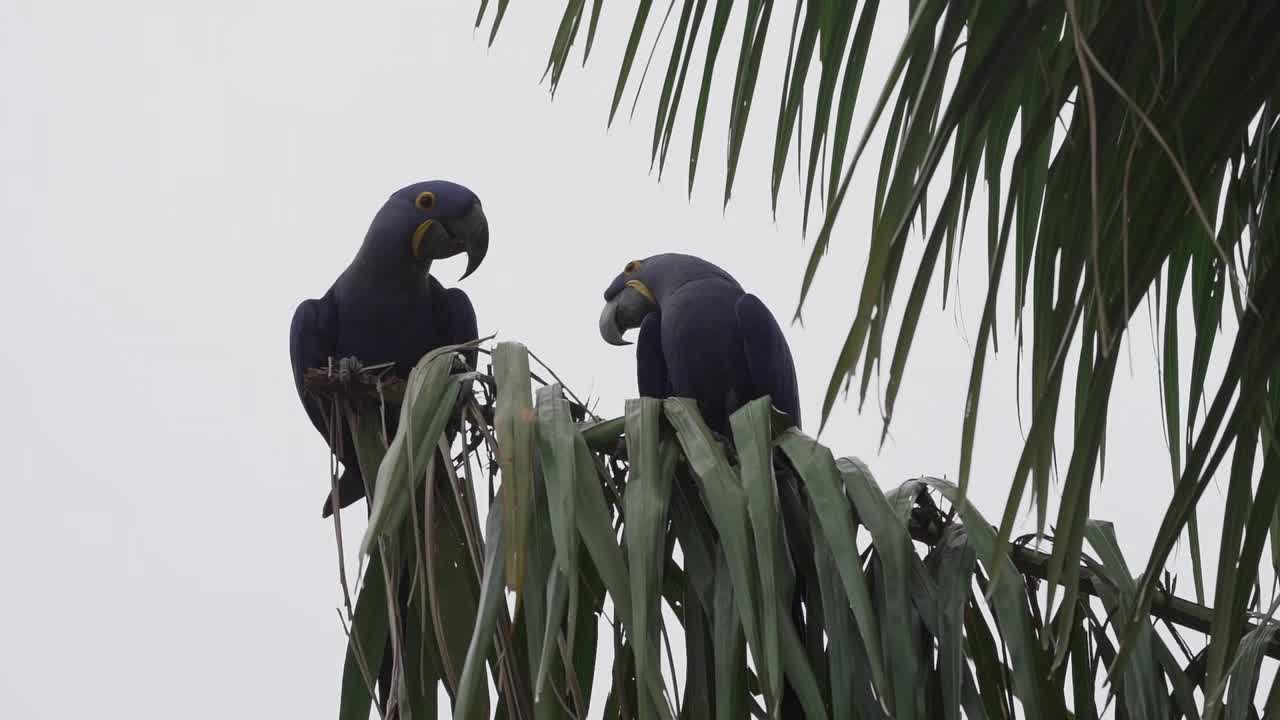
[(908, 621), (1141, 144)]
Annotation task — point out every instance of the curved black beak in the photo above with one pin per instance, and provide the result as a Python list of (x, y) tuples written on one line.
[(471, 232), (440, 239), (609, 329), (626, 311)]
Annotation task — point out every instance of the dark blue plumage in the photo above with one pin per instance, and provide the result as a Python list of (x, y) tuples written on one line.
[(386, 307), (701, 336)]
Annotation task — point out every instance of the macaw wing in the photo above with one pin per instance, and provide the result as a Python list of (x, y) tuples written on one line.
[(454, 318), (768, 356), (313, 340)]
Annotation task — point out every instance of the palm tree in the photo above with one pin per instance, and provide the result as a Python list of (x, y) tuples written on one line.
[(1128, 151)]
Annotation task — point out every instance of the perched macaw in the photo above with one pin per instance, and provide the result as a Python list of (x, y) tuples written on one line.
[(701, 336), (386, 307)]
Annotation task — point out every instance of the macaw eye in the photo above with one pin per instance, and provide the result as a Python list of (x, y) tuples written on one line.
[(426, 200), (631, 267)]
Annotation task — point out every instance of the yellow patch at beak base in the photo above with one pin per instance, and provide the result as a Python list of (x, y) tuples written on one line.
[(418, 235), (642, 289)]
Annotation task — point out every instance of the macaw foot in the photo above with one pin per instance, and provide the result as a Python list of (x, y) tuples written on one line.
[(726, 444), (348, 369)]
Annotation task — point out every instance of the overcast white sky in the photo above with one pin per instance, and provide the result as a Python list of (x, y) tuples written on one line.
[(178, 176)]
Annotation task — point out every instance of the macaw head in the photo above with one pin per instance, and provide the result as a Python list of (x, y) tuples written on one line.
[(428, 221), (643, 285)]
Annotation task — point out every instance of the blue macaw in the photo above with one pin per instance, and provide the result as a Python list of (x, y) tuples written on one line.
[(386, 307), (701, 336)]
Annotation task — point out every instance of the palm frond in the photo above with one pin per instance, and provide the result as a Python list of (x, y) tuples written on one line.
[(1141, 145), (624, 518)]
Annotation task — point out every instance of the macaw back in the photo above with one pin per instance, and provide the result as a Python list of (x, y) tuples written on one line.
[(702, 347)]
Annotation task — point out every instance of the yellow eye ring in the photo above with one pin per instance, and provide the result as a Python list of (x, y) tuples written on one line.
[(631, 267), (426, 200)]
